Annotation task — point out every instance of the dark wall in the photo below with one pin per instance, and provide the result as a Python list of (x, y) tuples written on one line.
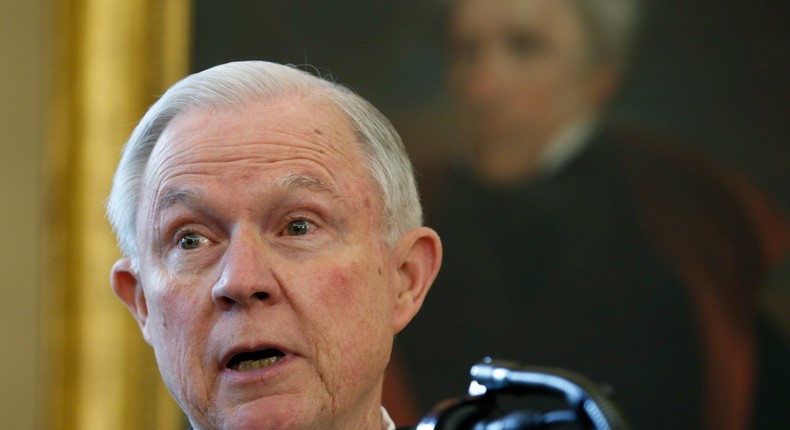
[(385, 50), (718, 74)]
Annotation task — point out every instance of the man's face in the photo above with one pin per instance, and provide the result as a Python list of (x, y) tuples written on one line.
[(519, 71), (267, 291)]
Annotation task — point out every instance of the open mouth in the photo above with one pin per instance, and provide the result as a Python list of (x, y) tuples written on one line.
[(246, 361)]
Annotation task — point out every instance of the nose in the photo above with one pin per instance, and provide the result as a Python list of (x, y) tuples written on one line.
[(248, 275)]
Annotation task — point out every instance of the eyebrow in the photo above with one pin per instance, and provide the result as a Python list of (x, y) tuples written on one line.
[(173, 197), (293, 181), (285, 183)]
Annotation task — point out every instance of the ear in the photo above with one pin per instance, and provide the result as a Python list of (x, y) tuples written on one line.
[(419, 254), (127, 286)]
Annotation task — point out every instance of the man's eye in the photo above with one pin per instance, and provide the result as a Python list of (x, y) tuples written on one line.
[(298, 227), (191, 241)]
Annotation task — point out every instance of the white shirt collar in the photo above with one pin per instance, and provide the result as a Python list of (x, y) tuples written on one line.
[(566, 144), (388, 424)]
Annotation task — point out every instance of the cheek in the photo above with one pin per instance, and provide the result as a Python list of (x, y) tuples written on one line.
[(358, 285), (172, 313), (173, 316), (353, 298), (342, 285), (339, 280), (177, 329), (355, 331)]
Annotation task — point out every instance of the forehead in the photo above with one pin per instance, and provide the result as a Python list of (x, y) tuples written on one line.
[(286, 137), (505, 15), (294, 121), (257, 131)]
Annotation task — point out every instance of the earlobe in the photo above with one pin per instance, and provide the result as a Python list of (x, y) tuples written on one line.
[(420, 256), (126, 285)]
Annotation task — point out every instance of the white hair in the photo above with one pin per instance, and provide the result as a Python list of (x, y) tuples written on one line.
[(237, 83), (610, 28)]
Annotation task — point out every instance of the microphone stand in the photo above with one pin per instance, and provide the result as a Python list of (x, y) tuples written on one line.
[(589, 407)]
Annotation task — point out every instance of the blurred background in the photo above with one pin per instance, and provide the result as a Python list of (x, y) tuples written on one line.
[(77, 74)]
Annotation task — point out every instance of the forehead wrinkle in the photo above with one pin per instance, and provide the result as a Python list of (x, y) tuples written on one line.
[(253, 149), (324, 138), (172, 164), (181, 151), (281, 185)]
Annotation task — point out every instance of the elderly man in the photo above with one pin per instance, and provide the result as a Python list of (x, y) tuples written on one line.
[(575, 242), (273, 248)]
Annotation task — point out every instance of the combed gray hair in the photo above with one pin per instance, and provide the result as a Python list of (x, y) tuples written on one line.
[(610, 27), (237, 83)]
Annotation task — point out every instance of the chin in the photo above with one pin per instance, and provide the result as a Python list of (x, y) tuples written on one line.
[(263, 414), (504, 162), (498, 172)]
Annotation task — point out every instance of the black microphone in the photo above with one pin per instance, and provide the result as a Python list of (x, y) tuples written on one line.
[(587, 405)]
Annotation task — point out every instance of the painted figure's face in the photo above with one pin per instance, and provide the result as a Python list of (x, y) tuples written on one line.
[(520, 72)]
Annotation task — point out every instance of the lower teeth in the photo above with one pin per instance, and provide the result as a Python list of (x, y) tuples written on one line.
[(256, 364)]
